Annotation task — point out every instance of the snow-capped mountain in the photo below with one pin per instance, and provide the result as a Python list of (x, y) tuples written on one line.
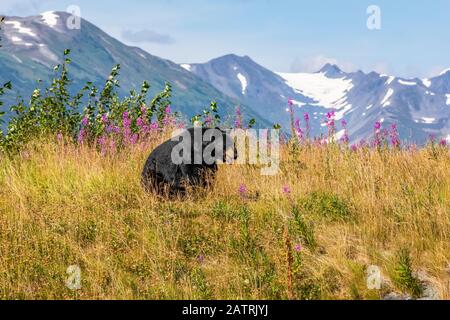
[(248, 82), (32, 46), (419, 107)]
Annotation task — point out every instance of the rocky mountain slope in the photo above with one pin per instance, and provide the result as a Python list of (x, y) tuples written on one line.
[(32, 46)]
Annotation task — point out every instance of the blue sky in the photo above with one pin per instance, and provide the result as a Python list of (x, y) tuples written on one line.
[(283, 35)]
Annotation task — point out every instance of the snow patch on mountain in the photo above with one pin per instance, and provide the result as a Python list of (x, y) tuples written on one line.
[(426, 82), (50, 18), (448, 99), (243, 81), (327, 92), (298, 103), (407, 83), (386, 98), (390, 79), (186, 66), (428, 120), (341, 113), (21, 29), (444, 72)]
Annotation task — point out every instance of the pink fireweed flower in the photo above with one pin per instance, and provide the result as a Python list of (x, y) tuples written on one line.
[(378, 135), (112, 146), (134, 139), (286, 190), (139, 122), (154, 126), (81, 136), (395, 141), (443, 142), (126, 122), (59, 137), (377, 125), (330, 123), (331, 115), (298, 129), (354, 147), (344, 139), (201, 258), (168, 109), (85, 122), (298, 247), (242, 189), (308, 126), (127, 133), (104, 118), (116, 129), (306, 117), (102, 142), (167, 120), (290, 102)]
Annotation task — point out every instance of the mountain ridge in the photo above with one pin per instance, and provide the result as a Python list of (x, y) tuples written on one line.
[(33, 45), (420, 107)]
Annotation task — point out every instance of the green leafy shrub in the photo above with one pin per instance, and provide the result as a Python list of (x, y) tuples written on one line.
[(302, 228), (404, 275), (325, 204), (89, 113)]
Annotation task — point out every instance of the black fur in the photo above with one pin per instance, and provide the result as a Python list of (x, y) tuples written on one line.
[(162, 176)]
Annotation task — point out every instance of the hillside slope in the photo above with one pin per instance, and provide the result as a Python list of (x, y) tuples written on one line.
[(32, 46)]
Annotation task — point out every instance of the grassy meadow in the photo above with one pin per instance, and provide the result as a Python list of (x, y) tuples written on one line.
[(309, 232)]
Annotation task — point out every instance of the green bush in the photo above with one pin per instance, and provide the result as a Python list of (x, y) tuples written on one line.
[(404, 276), (302, 228), (326, 205), (55, 111)]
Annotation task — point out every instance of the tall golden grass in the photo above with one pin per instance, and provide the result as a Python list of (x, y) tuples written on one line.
[(63, 205)]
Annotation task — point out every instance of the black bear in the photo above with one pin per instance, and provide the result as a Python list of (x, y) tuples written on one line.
[(189, 159)]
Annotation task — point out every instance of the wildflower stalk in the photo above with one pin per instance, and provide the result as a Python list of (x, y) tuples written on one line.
[(289, 262), (291, 116)]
